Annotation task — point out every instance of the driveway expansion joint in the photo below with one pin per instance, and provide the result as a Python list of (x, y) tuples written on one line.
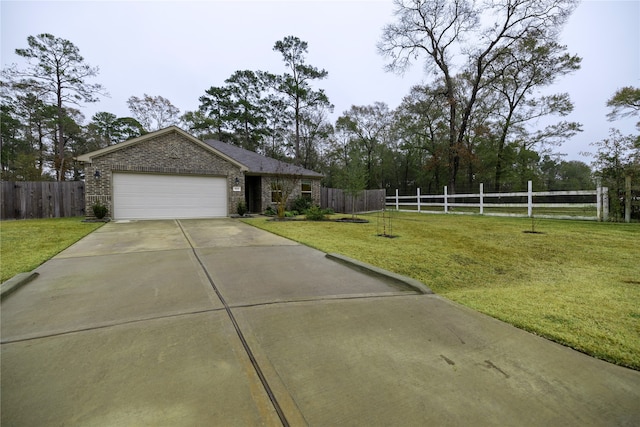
[(236, 326), (105, 325), (326, 298)]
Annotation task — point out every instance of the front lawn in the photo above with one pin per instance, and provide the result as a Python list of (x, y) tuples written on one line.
[(25, 244), (576, 282)]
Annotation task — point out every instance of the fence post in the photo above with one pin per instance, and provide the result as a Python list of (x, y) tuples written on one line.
[(446, 200), (397, 200), (481, 198), (627, 198), (529, 198), (605, 204), (418, 200), (599, 202)]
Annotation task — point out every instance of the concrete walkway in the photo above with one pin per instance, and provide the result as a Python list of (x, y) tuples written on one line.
[(213, 322)]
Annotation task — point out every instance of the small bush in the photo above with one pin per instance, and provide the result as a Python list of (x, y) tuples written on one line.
[(301, 204), (270, 211), (242, 208), (99, 210), (314, 213)]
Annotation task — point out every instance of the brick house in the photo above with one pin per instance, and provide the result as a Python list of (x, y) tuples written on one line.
[(171, 174)]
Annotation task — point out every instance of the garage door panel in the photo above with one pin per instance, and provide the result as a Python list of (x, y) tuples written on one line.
[(149, 196)]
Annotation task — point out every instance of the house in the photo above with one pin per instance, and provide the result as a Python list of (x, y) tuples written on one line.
[(171, 174)]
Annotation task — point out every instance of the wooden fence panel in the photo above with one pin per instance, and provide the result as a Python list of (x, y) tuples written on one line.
[(41, 199), (336, 199)]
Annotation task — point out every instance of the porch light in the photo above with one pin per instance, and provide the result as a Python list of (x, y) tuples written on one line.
[(237, 181), (96, 175)]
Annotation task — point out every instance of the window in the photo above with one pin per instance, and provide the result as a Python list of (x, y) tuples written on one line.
[(305, 189), (276, 191)]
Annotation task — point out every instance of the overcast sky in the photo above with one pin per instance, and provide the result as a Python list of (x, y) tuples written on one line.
[(178, 49)]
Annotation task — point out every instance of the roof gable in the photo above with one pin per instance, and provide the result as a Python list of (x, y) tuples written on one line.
[(246, 160), (259, 164), (88, 157)]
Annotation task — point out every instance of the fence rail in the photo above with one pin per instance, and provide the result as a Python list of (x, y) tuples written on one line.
[(598, 203), (41, 199), (339, 201)]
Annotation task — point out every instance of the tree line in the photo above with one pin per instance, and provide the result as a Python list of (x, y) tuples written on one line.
[(475, 121)]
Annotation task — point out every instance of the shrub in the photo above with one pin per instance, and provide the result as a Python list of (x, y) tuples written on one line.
[(242, 208), (99, 210), (314, 213), (270, 211), (301, 204)]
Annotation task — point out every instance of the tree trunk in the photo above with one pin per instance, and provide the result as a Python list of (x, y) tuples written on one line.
[(453, 152), (297, 142), (60, 130), (500, 156)]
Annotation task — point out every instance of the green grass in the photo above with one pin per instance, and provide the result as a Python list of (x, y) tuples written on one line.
[(26, 244), (577, 283)]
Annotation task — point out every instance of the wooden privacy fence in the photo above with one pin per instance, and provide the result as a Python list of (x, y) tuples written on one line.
[(339, 201), (41, 199), (581, 204)]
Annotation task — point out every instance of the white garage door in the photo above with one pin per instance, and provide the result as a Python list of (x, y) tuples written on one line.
[(147, 196)]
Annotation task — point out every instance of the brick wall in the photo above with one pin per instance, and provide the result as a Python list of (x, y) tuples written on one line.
[(167, 153), (297, 190)]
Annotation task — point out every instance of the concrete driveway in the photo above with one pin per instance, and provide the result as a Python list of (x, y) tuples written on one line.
[(213, 322)]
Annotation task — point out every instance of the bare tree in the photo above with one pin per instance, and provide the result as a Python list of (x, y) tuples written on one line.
[(368, 127), (153, 112), (282, 188), (461, 37)]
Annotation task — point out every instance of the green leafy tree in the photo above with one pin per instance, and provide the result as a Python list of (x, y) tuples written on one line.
[(18, 157), (624, 103), (245, 116), (559, 175), (58, 75), (198, 124), (615, 158), (353, 180), (315, 131), (39, 122), (420, 127), (107, 129), (213, 113), (278, 124), (530, 63), (295, 85)]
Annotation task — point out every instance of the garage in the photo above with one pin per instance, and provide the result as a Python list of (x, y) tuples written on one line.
[(164, 196), (170, 174)]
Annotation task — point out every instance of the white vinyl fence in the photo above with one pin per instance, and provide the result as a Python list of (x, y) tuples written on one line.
[(591, 205)]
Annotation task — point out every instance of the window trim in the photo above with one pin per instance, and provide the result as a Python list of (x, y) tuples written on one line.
[(276, 190), (306, 193)]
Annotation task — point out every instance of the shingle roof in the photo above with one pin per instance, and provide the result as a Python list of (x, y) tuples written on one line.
[(259, 164)]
